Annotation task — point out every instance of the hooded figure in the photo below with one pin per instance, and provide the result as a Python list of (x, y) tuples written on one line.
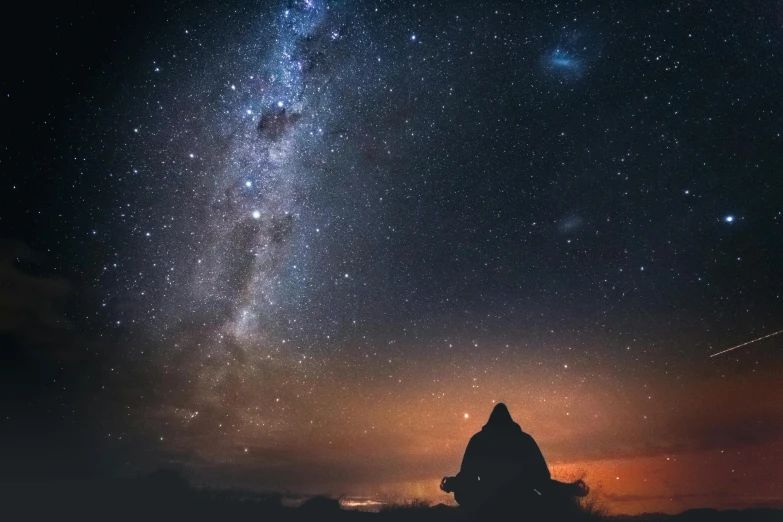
[(502, 467)]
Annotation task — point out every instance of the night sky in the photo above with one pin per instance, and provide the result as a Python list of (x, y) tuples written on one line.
[(307, 245)]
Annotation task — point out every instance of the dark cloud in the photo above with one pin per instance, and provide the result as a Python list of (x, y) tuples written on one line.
[(31, 305), (274, 125), (320, 51), (50, 370)]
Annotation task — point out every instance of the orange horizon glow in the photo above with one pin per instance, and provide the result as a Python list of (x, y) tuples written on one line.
[(641, 444)]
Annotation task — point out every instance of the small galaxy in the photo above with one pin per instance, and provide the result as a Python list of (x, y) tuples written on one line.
[(308, 245)]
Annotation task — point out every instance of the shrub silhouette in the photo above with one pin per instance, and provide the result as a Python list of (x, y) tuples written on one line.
[(167, 495)]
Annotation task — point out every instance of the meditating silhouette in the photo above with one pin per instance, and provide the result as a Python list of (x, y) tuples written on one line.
[(504, 472)]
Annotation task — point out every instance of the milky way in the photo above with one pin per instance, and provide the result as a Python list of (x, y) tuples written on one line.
[(261, 179), (243, 149)]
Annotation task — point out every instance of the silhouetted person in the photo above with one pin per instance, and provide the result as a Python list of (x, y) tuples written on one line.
[(504, 472)]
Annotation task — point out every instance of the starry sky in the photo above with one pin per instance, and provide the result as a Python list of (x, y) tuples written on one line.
[(307, 245)]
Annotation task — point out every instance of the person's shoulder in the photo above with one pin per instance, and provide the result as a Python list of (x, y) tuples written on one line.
[(528, 437), (477, 436)]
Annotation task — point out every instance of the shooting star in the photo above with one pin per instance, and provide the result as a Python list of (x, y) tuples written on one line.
[(747, 343)]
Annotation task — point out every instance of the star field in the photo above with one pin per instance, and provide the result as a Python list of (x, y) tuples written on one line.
[(319, 240)]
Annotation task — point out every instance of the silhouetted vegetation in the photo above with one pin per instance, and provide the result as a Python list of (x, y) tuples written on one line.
[(167, 495)]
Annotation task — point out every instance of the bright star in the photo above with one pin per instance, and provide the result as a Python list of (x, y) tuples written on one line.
[(729, 219), (256, 214), (248, 184)]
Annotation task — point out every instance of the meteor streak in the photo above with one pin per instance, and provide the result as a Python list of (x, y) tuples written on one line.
[(744, 344)]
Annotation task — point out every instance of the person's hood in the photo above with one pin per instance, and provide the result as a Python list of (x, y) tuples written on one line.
[(500, 420)]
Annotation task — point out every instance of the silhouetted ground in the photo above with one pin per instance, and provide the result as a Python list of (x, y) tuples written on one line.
[(167, 496)]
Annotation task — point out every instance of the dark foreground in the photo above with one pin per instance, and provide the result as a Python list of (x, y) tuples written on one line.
[(164, 497)]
